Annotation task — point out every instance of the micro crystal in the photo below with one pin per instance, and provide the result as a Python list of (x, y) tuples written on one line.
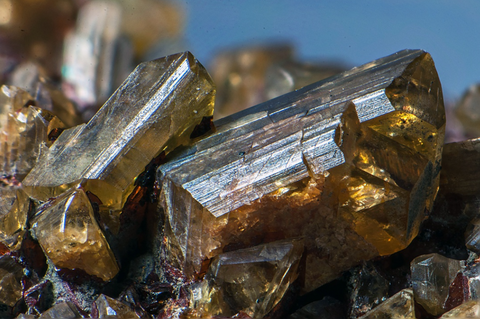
[(350, 164)]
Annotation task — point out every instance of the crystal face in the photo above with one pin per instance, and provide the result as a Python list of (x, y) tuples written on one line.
[(349, 163), (431, 276), (10, 281), (251, 280), (69, 235), (154, 110), (400, 305)]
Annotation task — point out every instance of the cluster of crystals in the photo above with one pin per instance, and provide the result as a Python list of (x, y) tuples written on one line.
[(152, 210)]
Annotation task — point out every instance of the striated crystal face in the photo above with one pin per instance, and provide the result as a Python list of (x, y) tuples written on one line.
[(431, 277), (349, 163), (251, 280), (399, 306), (154, 110), (70, 236)]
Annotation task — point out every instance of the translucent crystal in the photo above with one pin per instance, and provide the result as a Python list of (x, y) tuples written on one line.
[(155, 110), (24, 131), (251, 280), (349, 163), (241, 75), (62, 310), (467, 110), (470, 309), (89, 54), (369, 290), (69, 235), (431, 276), (399, 306), (10, 281), (107, 306), (14, 223)]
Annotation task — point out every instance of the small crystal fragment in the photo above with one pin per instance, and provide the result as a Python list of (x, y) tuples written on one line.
[(431, 277), (24, 131), (399, 306), (349, 163), (13, 223), (62, 310), (10, 281), (70, 236), (155, 110), (369, 290), (469, 309), (107, 306), (251, 280)]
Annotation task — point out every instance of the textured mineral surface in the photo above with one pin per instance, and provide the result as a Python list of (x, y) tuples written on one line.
[(350, 164)]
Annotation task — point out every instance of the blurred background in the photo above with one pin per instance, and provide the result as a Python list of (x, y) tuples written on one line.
[(254, 50)]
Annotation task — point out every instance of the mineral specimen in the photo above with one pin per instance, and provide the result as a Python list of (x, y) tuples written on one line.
[(401, 306), (431, 277), (251, 280), (10, 281), (154, 110), (69, 235), (108, 307), (62, 310), (349, 163)]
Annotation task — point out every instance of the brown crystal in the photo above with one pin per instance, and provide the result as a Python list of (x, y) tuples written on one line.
[(10, 281), (107, 307), (399, 306), (350, 164), (70, 236)]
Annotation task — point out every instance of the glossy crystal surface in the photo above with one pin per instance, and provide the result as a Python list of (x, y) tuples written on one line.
[(70, 236), (399, 306), (107, 306), (349, 163), (469, 309), (251, 280), (10, 281), (154, 110), (431, 277)]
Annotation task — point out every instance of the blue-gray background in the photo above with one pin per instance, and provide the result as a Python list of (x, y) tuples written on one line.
[(353, 31)]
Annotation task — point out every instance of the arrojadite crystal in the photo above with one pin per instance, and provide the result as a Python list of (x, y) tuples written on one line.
[(154, 110), (399, 306), (349, 163)]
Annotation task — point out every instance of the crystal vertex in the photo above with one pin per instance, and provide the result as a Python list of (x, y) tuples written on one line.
[(251, 280), (154, 110), (349, 163), (399, 306), (431, 277), (70, 236)]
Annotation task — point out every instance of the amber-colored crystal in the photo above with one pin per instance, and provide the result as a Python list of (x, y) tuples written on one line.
[(107, 306), (350, 164), (24, 131), (10, 281), (156, 109), (431, 277), (251, 280), (399, 306), (13, 223), (63, 310), (69, 235), (469, 309)]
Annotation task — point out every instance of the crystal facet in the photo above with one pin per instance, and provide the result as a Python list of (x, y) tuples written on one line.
[(69, 234), (154, 110), (349, 163), (251, 280), (399, 306), (431, 276), (107, 307), (10, 281)]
